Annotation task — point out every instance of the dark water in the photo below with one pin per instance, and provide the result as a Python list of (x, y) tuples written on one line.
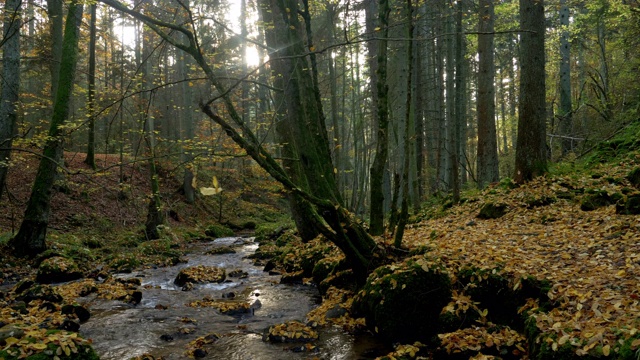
[(121, 331)]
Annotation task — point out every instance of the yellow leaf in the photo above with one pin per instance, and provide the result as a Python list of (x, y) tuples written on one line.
[(292, 27), (10, 341), (39, 346), (606, 349)]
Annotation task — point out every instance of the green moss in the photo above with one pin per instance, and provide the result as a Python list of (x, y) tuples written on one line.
[(626, 352), (218, 231), (492, 211), (403, 302)]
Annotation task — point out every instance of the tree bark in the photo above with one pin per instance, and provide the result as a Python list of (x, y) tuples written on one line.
[(565, 112), (487, 143), (376, 173), (531, 158), (30, 239), (91, 143), (10, 83)]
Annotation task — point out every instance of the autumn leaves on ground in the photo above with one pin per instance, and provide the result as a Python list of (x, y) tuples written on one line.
[(550, 270)]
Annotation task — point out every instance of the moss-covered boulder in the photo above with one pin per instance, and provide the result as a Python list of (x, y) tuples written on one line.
[(291, 331), (402, 302), (634, 177), (499, 341), (221, 250), (218, 231), (595, 199), (200, 275), (629, 206), (40, 292), (57, 269), (492, 211)]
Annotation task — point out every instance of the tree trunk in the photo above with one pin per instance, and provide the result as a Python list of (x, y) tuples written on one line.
[(531, 154), (30, 239), (565, 113), (91, 143), (376, 217), (54, 10), (487, 143), (10, 84)]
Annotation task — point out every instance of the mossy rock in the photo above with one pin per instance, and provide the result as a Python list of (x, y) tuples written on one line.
[(630, 206), (221, 250), (84, 351), (325, 267), (200, 275), (492, 341), (40, 292), (57, 269), (218, 231), (290, 332), (266, 251), (534, 202), (402, 302), (286, 238), (492, 211), (343, 279), (595, 199), (497, 293), (634, 177)]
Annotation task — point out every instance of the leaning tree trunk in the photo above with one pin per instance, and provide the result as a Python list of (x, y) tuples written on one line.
[(10, 83), (326, 211), (30, 239)]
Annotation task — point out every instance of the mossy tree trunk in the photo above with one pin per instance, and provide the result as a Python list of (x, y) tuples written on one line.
[(376, 173), (30, 239)]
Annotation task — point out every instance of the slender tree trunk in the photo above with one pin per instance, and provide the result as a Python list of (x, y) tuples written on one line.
[(531, 154), (54, 10), (565, 112), (30, 239), (487, 142), (91, 144), (376, 217), (10, 83)]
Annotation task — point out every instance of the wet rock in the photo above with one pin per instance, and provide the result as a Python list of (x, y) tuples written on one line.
[(79, 311), (291, 331), (221, 250), (166, 337), (270, 265), (492, 211), (335, 312), (160, 307), (199, 353), (8, 331), (130, 281), (274, 273), (229, 295), (402, 302), (135, 297), (238, 274), (292, 278), (40, 292), (200, 275), (187, 287), (87, 290), (57, 269), (69, 325)]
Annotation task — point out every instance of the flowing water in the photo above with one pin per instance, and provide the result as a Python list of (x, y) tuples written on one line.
[(162, 324)]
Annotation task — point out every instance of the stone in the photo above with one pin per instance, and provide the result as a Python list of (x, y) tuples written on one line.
[(40, 292), (8, 331), (69, 325), (492, 211), (57, 269)]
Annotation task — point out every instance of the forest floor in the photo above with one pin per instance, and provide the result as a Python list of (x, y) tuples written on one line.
[(563, 228)]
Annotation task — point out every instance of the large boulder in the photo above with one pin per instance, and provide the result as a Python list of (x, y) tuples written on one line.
[(402, 302), (57, 269)]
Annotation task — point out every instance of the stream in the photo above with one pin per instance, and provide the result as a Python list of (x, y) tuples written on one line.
[(162, 324)]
